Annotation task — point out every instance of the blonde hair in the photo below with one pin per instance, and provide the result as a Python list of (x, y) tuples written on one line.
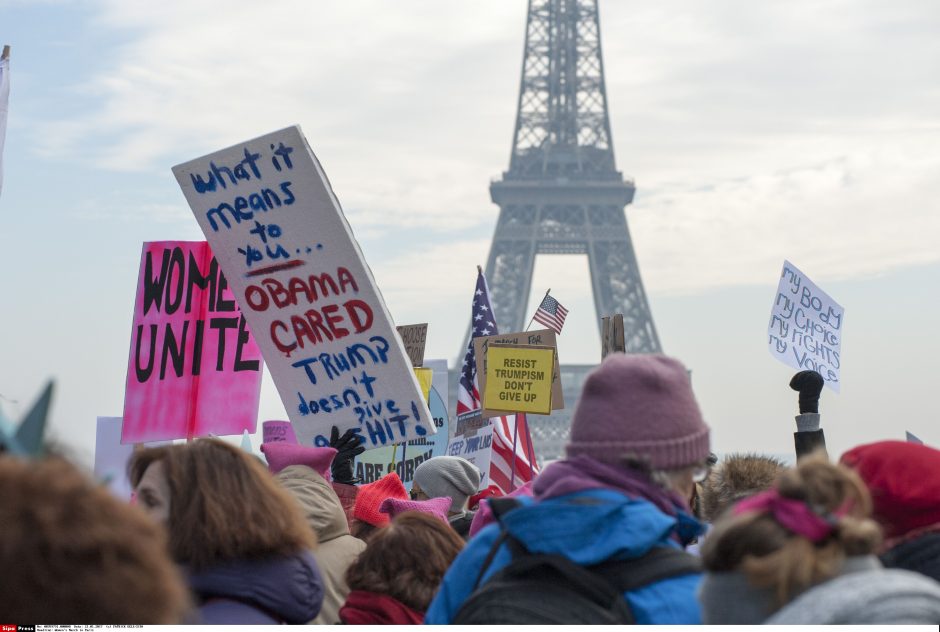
[(772, 557)]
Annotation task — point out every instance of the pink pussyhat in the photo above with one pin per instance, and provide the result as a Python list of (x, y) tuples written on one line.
[(281, 455), (437, 507), (484, 515), (792, 514)]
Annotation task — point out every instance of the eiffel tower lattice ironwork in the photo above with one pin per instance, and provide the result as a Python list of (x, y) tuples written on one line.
[(562, 193)]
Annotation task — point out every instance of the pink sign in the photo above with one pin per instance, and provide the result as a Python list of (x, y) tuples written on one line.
[(278, 431), (194, 367)]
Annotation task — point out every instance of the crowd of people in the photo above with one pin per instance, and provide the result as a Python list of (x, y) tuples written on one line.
[(640, 523)]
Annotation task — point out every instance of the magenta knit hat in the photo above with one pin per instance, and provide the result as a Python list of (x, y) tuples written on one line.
[(280, 455), (436, 507), (641, 405)]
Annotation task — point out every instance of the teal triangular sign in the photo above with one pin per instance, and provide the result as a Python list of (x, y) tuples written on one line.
[(32, 429), (246, 443), (7, 441)]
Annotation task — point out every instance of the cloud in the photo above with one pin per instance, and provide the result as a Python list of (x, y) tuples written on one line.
[(755, 131), (847, 217)]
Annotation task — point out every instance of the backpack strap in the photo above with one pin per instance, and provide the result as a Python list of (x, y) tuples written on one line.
[(500, 507), (658, 564)]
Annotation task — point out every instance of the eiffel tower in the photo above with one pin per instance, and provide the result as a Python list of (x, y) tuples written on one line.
[(563, 194)]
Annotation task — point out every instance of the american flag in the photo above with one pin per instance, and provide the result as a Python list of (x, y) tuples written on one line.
[(505, 429), (551, 313)]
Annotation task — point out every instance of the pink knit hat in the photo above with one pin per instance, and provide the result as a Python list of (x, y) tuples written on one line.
[(641, 405), (371, 495), (280, 455), (484, 515), (436, 507)]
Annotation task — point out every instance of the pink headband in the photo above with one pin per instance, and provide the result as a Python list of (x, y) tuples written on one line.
[(792, 514)]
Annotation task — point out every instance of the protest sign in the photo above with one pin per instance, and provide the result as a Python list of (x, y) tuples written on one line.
[(478, 449), (425, 377), (194, 368), (111, 456), (280, 235), (538, 337), (519, 379), (373, 464), (414, 337), (277, 431), (612, 340), (805, 330)]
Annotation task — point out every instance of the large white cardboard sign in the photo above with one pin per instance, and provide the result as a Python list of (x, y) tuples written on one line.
[(280, 236), (805, 330)]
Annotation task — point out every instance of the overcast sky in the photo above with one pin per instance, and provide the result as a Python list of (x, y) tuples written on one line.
[(755, 132)]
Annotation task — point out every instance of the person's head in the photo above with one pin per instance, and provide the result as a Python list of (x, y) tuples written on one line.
[(406, 560), (904, 481), (446, 476), (218, 503), (797, 534), (73, 553), (737, 477), (638, 410)]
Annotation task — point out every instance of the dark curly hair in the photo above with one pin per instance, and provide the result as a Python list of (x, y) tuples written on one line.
[(406, 560)]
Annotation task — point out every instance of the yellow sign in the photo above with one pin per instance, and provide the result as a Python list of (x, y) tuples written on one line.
[(519, 379), (424, 381)]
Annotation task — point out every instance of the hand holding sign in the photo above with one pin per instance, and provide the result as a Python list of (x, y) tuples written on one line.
[(809, 384), (348, 447)]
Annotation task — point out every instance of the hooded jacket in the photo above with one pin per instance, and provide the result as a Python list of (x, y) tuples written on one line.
[(874, 596), (589, 512), (259, 592), (337, 549), (862, 593)]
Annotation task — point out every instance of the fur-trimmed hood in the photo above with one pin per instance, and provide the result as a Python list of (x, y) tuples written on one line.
[(736, 477)]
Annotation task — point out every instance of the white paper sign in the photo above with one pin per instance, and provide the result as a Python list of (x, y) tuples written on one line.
[(805, 329), (477, 449), (276, 228)]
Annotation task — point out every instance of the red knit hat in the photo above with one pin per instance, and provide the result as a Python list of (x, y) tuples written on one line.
[(371, 495), (639, 404), (904, 481)]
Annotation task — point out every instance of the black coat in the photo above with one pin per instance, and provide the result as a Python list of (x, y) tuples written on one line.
[(921, 555)]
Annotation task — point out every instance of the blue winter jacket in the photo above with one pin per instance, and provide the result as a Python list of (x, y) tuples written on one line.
[(587, 527)]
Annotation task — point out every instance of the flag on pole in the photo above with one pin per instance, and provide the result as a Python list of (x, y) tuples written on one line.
[(506, 463), (551, 313), (4, 102)]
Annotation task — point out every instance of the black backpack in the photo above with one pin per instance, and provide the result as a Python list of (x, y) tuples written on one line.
[(536, 588)]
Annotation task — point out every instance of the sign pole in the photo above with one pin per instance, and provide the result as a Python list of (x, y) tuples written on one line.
[(515, 439), (528, 436)]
